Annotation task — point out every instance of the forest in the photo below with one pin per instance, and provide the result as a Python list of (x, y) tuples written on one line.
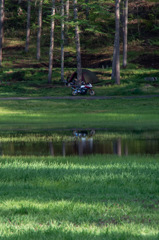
[(49, 39)]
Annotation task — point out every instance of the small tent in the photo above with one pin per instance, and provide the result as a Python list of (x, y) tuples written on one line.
[(87, 77)]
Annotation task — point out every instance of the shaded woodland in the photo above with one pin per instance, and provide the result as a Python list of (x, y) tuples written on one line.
[(83, 33)]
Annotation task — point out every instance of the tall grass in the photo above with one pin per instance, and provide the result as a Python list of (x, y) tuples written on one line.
[(67, 135), (97, 197)]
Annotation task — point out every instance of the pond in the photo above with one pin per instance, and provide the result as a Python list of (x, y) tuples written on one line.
[(83, 145)]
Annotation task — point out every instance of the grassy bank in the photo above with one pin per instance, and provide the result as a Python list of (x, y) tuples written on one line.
[(67, 136), (112, 114), (98, 197)]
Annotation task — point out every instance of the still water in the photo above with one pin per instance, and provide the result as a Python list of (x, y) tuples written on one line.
[(82, 146)]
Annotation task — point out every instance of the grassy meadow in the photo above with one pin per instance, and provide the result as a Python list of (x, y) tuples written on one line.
[(113, 114), (96, 197)]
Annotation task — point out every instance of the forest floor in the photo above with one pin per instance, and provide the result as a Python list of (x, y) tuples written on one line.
[(146, 56)]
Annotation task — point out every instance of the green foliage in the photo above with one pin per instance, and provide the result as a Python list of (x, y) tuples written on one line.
[(101, 17), (154, 42), (18, 76)]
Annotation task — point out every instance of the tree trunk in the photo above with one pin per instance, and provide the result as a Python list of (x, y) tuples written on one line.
[(51, 148), (125, 32), (62, 41), (116, 60), (117, 147), (78, 48), (138, 22), (39, 29), (1, 28), (66, 24), (67, 8), (117, 65), (51, 41), (28, 26), (3, 21)]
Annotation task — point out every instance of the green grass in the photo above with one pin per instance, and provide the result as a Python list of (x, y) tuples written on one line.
[(33, 82), (96, 198), (67, 135), (112, 114)]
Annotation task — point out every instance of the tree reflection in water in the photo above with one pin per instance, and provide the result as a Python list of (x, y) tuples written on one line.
[(83, 145)]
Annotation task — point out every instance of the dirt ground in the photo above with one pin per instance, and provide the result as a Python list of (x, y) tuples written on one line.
[(96, 61), (78, 97), (147, 59)]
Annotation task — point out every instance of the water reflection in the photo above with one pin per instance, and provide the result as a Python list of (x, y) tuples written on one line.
[(81, 146)]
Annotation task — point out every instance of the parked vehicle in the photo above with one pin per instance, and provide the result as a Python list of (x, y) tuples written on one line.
[(83, 89)]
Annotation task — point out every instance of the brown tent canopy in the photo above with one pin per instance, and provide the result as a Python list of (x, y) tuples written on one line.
[(87, 76)]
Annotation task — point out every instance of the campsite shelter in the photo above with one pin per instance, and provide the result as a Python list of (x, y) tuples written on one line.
[(87, 77)]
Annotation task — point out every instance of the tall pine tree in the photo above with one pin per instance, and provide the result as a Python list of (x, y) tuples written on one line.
[(28, 26), (77, 40), (125, 32), (1, 28), (62, 40), (51, 41), (39, 30), (116, 53)]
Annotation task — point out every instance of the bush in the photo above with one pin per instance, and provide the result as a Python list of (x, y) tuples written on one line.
[(17, 76)]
